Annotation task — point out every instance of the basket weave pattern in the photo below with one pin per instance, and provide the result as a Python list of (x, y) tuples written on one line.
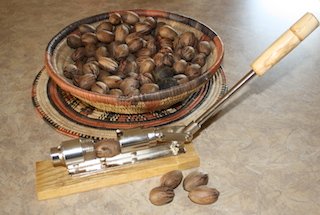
[(58, 54)]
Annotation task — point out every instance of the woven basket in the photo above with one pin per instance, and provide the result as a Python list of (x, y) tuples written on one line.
[(58, 54)]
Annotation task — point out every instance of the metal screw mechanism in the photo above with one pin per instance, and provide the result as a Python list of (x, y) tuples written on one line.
[(73, 151)]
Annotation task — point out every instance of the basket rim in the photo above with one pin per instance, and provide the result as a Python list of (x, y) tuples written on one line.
[(111, 99)]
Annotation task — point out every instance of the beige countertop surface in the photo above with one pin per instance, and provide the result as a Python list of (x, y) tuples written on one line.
[(262, 151)]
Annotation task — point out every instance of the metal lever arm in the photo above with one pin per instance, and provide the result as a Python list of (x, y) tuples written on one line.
[(195, 125), (271, 56)]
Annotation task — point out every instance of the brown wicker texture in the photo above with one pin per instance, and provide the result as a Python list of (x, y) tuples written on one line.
[(58, 54), (72, 117)]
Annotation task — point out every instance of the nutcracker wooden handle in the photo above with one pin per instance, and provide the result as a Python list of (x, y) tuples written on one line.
[(285, 43)]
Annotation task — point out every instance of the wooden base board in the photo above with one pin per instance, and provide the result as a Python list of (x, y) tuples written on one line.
[(53, 182)]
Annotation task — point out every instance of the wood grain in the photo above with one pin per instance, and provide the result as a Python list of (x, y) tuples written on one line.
[(285, 43), (53, 182)]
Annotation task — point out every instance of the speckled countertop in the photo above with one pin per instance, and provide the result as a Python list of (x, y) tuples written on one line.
[(262, 151)]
